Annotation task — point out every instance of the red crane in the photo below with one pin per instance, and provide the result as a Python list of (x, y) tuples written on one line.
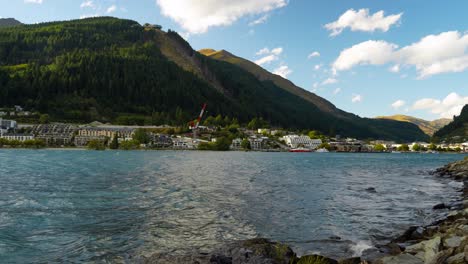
[(193, 125)]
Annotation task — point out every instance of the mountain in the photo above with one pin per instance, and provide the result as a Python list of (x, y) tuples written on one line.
[(429, 127), (457, 130), (116, 70), (7, 22)]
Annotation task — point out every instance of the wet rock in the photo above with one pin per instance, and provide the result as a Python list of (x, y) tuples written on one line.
[(335, 238), (315, 259), (439, 206), (425, 250), (412, 233), (393, 249), (452, 242), (371, 190), (457, 259), (441, 257), (400, 259)]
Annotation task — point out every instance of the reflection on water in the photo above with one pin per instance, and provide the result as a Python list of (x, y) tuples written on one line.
[(59, 206)]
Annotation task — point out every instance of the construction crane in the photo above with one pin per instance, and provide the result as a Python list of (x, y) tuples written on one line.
[(193, 125)]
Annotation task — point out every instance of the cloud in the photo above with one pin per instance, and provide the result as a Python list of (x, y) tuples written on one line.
[(356, 98), (395, 68), (89, 4), (433, 54), (33, 1), (111, 9), (451, 105), (197, 17), (397, 104), (283, 71), (361, 20), (260, 20), (268, 55), (317, 67), (337, 91), (313, 54), (329, 81)]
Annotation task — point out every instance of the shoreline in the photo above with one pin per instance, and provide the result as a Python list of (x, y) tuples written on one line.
[(443, 241)]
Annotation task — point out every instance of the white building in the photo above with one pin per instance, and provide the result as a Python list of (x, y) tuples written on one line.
[(236, 143), (19, 137), (295, 141)]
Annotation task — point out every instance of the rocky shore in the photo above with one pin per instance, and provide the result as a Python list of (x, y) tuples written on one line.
[(445, 241)]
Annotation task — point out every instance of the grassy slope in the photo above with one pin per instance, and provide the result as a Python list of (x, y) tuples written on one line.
[(429, 127)]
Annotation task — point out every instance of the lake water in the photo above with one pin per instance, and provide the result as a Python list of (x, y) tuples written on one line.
[(86, 206)]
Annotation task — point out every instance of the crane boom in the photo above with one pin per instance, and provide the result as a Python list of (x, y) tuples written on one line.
[(200, 116)]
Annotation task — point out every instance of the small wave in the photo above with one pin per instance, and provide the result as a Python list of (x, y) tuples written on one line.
[(360, 247), (455, 184)]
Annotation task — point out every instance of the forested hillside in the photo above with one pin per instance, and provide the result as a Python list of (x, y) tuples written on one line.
[(456, 131), (118, 71), (7, 22)]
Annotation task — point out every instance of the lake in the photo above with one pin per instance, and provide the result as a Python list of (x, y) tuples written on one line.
[(88, 206)]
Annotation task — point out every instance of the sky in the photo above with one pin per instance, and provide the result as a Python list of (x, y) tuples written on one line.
[(368, 57)]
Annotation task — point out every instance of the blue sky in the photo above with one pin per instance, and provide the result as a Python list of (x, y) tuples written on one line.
[(411, 59)]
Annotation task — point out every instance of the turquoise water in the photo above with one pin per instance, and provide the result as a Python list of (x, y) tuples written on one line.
[(85, 206)]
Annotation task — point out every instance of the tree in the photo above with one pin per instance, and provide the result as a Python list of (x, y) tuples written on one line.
[(245, 144), (416, 147), (115, 142), (130, 144), (432, 146), (96, 145), (325, 145), (314, 134), (141, 136), (44, 119), (403, 147), (379, 148)]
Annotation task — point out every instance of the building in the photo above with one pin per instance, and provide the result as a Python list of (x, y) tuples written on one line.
[(55, 134), (160, 141), (186, 143), (18, 137), (8, 124), (103, 134), (236, 144), (295, 141)]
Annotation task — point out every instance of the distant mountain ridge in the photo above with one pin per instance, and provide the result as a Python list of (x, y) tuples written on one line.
[(116, 70), (7, 22), (457, 130), (429, 127)]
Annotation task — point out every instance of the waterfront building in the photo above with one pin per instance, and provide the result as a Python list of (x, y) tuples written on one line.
[(236, 144), (160, 141), (18, 137), (295, 141), (55, 134), (103, 134), (8, 124)]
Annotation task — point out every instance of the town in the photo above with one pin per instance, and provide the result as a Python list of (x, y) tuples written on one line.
[(98, 136)]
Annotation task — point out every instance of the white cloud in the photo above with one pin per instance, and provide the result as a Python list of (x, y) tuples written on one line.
[(337, 91), (267, 59), (317, 67), (451, 105), (316, 85), (88, 16), (260, 20), (361, 20), (313, 54), (197, 17), (33, 1), (268, 55), (277, 51), (398, 104), (111, 9), (433, 54), (88, 3), (356, 98), (329, 81), (368, 52), (395, 68), (283, 71)]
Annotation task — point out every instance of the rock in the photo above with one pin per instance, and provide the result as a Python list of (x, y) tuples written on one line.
[(335, 238), (439, 206), (315, 259), (412, 233), (441, 256), (425, 250), (253, 251), (452, 242), (356, 260), (371, 190), (400, 259), (457, 259), (393, 249), (466, 253)]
